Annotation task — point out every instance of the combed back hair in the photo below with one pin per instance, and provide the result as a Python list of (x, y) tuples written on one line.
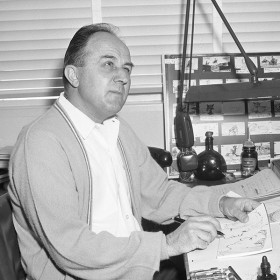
[(75, 53)]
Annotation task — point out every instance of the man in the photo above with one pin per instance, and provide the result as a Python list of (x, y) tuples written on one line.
[(81, 180)]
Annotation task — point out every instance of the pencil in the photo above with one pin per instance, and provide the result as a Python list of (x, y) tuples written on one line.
[(179, 220)]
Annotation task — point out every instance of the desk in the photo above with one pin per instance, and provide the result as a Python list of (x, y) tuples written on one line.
[(264, 187), (247, 267)]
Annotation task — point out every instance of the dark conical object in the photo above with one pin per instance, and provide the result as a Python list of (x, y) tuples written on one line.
[(265, 269), (211, 164)]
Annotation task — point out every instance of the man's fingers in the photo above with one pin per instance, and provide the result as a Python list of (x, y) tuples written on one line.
[(241, 213), (205, 222), (207, 236), (250, 205), (242, 216), (237, 207), (196, 232), (201, 244)]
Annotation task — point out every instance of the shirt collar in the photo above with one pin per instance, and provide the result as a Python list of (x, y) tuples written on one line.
[(82, 122)]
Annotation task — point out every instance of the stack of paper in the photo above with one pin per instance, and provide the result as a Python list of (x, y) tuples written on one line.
[(275, 166), (243, 239), (263, 185)]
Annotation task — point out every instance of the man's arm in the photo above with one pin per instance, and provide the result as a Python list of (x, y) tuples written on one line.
[(43, 181), (198, 232)]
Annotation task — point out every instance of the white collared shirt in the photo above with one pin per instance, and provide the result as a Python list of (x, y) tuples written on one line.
[(111, 199)]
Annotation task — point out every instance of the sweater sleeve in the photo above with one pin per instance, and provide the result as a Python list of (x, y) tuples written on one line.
[(163, 199), (43, 182)]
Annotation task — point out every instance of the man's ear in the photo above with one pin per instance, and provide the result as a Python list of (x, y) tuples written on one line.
[(71, 75)]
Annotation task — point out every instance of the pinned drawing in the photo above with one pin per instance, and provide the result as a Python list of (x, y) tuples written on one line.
[(242, 239)]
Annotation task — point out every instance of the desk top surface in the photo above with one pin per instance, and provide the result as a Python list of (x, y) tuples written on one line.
[(247, 267)]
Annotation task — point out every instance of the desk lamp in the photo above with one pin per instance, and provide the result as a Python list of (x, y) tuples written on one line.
[(238, 91), (187, 161), (187, 158)]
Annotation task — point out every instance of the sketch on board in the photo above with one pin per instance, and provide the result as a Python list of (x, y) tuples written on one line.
[(242, 239), (233, 128), (258, 128), (231, 153), (210, 111), (263, 150), (178, 64), (216, 64), (270, 64), (199, 130), (240, 64), (259, 109)]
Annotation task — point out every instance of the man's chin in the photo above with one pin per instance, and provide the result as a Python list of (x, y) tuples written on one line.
[(114, 109)]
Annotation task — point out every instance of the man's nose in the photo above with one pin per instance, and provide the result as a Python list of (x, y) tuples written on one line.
[(121, 76)]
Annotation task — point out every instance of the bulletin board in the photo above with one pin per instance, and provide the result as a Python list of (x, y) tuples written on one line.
[(232, 121)]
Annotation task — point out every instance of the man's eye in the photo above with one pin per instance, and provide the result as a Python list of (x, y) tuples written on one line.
[(109, 64), (128, 69)]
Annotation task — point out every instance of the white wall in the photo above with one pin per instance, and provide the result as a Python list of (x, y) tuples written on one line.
[(147, 121), (145, 118)]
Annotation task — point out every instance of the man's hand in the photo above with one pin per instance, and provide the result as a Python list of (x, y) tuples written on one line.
[(194, 233), (237, 208)]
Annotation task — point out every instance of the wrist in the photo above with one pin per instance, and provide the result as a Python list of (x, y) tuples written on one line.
[(164, 249), (222, 203), (170, 245)]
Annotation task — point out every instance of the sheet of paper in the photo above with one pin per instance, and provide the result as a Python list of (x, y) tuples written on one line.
[(247, 267), (273, 209), (260, 185), (242, 239)]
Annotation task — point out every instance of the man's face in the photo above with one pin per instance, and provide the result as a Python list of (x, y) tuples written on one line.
[(104, 80)]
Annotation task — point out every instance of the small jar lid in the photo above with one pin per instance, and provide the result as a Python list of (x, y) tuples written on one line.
[(209, 134), (249, 144)]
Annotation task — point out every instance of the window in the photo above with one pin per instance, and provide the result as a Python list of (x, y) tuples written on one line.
[(35, 33), (33, 37), (155, 27), (152, 28)]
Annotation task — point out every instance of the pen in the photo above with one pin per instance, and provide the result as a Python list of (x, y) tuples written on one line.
[(208, 275), (237, 277), (179, 220), (212, 269)]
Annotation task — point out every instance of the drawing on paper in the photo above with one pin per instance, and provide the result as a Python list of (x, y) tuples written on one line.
[(243, 239), (231, 153), (240, 64)]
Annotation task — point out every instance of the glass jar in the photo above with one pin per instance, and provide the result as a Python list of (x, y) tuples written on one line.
[(211, 164), (249, 159)]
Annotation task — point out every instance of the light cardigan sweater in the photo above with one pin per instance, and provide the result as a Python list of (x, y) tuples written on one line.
[(50, 189)]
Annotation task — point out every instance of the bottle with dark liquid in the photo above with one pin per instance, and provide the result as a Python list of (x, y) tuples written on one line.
[(249, 159), (211, 164)]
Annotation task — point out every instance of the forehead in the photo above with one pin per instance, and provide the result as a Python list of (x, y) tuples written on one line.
[(104, 43)]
